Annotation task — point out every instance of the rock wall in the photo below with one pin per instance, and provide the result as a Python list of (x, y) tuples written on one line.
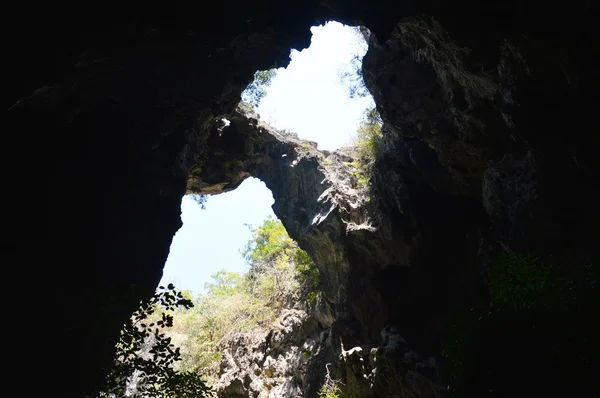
[(402, 259), (489, 110), (456, 183), (271, 361), (106, 101), (499, 126)]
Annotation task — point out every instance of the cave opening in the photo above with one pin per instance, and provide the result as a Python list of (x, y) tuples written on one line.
[(320, 95), (102, 104), (321, 99)]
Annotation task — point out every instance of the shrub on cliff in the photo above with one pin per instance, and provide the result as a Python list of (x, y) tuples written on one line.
[(367, 145), (368, 136), (280, 275), (280, 272), (226, 306)]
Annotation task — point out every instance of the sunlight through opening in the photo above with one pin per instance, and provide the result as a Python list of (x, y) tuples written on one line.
[(314, 97)]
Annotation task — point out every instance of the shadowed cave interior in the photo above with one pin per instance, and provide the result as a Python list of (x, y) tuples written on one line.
[(488, 147)]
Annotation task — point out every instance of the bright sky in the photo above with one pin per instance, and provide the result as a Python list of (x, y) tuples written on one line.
[(306, 98)]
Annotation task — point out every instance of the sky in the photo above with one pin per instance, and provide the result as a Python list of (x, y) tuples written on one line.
[(307, 98)]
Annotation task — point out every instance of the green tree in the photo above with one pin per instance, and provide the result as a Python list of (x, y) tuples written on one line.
[(351, 75), (280, 272), (367, 145), (225, 283), (145, 356), (257, 90), (369, 138), (330, 388), (269, 241), (227, 307)]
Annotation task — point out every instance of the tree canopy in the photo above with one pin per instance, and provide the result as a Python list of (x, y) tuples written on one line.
[(257, 90), (367, 145), (350, 75), (280, 275), (279, 269), (170, 346)]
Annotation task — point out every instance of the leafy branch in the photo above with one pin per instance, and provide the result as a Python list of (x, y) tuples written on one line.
[(145, 356)]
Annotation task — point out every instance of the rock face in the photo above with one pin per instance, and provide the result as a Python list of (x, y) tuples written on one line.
[(489, 124), (390, 264), (489, 111), (269, 362)]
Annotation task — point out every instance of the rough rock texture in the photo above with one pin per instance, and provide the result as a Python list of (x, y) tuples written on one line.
[(391, 262), (455, 183), (497, 118), (107, 103), (390, 370), (482, 136), (270, 361), (490, 110)]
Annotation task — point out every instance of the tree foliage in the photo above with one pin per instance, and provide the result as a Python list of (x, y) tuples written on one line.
[(351, 75), (226, 307), (279, 270), (330, 387), (148, 364), (280, 275), (145, 356), (367, 145), (369, 137), (257, 90)]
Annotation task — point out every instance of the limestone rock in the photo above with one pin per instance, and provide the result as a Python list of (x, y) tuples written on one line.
[(268, 362), (111, 114)]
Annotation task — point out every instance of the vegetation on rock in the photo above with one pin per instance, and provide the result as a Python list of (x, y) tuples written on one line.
[(536, 311), (330, 388), (148, 363), (227, 306), (367, 146), (280, 272), (280, 275)]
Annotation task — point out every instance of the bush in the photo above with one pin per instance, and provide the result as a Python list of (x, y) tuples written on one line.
[(368, 144), (227, 306), (330, 388), (280, 275), (280, 272)]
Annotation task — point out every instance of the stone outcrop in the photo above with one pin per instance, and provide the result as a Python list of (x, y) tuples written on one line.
[(270, 361), (497, 126), (384, 258), (489, 111), (455, 183)]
